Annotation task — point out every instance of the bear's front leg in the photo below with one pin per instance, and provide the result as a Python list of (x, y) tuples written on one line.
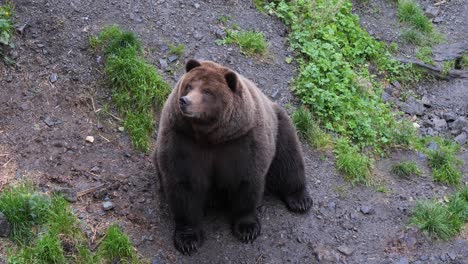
[(187, 206), (246, 225)]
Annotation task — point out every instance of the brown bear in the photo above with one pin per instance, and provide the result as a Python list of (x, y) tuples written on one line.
[(219, 134)]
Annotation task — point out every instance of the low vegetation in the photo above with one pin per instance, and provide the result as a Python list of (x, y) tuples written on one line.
[(406, 169), (137, 87), (250, 42), (442, 220), (424, 54), (356, 166), (45, 230), (419, 30), (309, 130), (176, 49), (6, 25)]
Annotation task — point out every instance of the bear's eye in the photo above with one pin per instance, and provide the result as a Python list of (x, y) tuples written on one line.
[(207, 92), (188, 87)]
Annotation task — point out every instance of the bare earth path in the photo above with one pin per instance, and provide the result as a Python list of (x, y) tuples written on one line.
[(44, 123)]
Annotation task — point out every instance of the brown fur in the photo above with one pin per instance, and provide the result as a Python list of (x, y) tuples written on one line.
[(220, 134)]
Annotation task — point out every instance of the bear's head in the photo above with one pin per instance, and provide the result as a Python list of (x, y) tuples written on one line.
[(206, 92)]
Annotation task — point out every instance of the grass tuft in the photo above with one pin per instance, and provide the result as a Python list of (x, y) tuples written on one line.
[(116, 246), (309, 130), (406, 169), (435, 219), (176, 49), (355, 165), (424, 54), (249, 42), (138, 88)]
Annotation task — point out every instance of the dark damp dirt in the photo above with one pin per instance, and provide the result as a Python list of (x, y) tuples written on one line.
[(44, 123)]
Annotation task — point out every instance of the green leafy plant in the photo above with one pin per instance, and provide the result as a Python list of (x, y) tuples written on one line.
[(406, 169), (6, 25), (138, 87), (249, 42)]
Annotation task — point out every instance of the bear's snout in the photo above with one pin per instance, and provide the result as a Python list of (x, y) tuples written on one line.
[(184, 101)]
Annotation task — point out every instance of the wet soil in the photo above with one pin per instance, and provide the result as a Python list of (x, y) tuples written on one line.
[(44, 123)]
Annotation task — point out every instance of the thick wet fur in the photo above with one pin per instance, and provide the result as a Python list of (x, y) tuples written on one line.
[(219, 134)]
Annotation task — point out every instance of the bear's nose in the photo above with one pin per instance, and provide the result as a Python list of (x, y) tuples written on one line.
[(183, 101)]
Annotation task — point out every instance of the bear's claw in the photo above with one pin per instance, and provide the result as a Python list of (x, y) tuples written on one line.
[(247, 232), (188, 241), (299, 203)]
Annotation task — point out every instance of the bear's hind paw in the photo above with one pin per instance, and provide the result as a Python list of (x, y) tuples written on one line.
[(247, 231), (299, 203)]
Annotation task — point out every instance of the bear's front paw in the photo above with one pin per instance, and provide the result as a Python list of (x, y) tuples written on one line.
[(247, 231), (299, 202), (188, 240)]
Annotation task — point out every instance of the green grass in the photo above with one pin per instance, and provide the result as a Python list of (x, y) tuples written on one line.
[(447, 66), (356, 166), (117, 247), (6, 24), (44, 230), (418, 28), (440, 220), (424, 54), (406, 169), (138, 89), (464, 61), (176, 49), (249, 42), (309, 130)]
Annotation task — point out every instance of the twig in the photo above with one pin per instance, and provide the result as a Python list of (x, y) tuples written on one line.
[(116, 118), (439, 3), (437, 71), (92, 104), (90, 190), (4, 165), (4, 154), (104, 138)]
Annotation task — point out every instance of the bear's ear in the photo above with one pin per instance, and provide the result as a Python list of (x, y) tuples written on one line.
[(231, 79), (191, 64)]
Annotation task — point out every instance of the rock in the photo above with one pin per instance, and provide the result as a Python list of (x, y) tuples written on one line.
[(51, 121), (21, 28), (68, 194), (426, 101), (90, 139), (438, 20), (396, 84), (443, 257), (431, 11), (331, 205), (386, 97), (25, 106), (197, 35), (100, 194), (163, 63), (367, 210), (53, 77), (403, 260), (416, 125), (324, 255), (9, 78), (439, 124), (460, 123), (196, 5), (461, 139), (345, 250), (452, 255), (4, 226), (432, 146), (173, 58), (220, 33), (108, 206), (96, 170), (121, 128), (412, 107)]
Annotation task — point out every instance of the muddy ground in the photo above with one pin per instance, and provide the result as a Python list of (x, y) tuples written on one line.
[(44, 123)]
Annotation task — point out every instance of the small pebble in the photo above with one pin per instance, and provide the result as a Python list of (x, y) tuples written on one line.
[(53, 77), (107, 206), (90, 139)]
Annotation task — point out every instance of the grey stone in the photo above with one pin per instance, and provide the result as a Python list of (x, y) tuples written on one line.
[(403, 260), (163, 63), (432, 146), (431, 11), (366, 209), (426, 101), (4, 226), (443, 257), (331, 205), (449, 116), (197, 35), (108, 206), (53, 77), (461, 139), (324, 255), (51, 121), (439, 124), (386, 97), (196, 5), (220, 33), (275, 94), (396, 84), (452, 255), (413, 108), (345, 250), (68, 194), (95, 169), (438, 20), (173, 58), (460, 123)]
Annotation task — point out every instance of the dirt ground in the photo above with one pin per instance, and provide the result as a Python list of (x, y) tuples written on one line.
[(44, 123)]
